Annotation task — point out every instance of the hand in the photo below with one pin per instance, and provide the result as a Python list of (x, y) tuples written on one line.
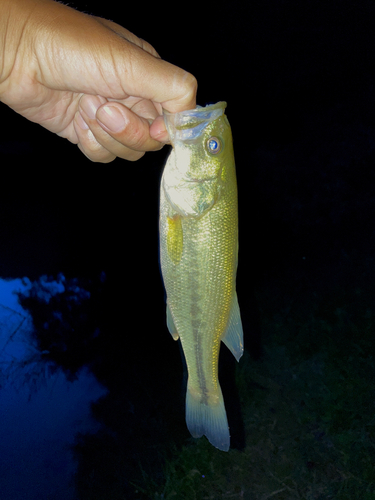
[(87, 79)]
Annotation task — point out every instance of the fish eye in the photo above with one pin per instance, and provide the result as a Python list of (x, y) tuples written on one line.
[(214, 145)]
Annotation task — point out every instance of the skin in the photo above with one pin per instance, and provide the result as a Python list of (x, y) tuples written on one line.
[(88, 80)]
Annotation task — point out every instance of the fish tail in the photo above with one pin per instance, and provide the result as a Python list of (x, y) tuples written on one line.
[(208, 419)]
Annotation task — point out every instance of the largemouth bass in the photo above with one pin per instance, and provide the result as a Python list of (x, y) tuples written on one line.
[(198, 254)]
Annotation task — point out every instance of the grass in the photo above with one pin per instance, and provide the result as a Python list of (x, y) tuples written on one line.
[(308, 407)]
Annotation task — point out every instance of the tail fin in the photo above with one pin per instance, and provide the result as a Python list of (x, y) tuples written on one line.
[(209, 420)]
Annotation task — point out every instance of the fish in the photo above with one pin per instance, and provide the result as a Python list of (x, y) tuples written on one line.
[(198, 227)]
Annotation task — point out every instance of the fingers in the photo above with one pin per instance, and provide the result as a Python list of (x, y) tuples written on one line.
[(158, 130), (106, 129), (77, 54), (160, 81), (128, 35), (99, 57), (185, 92)]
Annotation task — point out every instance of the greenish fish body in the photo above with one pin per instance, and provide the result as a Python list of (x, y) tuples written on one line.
[(198, 254)]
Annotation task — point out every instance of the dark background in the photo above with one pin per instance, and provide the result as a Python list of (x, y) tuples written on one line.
[(298, 80)]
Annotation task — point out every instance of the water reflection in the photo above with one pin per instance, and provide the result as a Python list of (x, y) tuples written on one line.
[(41, 411)]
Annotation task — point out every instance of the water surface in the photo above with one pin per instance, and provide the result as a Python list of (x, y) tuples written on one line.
[(41, 411)]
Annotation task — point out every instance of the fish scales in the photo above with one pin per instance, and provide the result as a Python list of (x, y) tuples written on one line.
[(198, 255)]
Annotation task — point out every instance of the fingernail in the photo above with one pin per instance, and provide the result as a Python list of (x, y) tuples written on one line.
[(111, 118), (90, 104)]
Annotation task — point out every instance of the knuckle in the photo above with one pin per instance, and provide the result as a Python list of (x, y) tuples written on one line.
[(192, 83), (91, 147), (98, 158), (95, 152), (134, 136), (133, 156), (190, 86)]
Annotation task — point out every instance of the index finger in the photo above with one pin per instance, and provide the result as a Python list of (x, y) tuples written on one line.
[(159, 81), (180, 92)]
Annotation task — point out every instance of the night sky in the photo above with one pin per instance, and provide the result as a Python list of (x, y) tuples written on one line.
[(298, 78)]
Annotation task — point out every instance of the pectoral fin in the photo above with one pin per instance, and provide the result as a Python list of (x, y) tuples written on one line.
[(174, 238), (233, 337), (171, 326)]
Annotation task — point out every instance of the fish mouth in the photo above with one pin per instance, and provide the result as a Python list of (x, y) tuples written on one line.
[(189, 124)]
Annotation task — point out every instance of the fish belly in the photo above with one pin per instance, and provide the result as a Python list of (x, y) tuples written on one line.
[(199, 262)]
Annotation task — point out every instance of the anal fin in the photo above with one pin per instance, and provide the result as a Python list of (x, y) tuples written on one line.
[(233, 337)]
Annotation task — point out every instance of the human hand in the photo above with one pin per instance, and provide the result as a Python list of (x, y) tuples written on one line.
[(87, 79)]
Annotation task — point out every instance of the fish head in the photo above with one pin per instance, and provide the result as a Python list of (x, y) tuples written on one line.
[(202, 148)]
